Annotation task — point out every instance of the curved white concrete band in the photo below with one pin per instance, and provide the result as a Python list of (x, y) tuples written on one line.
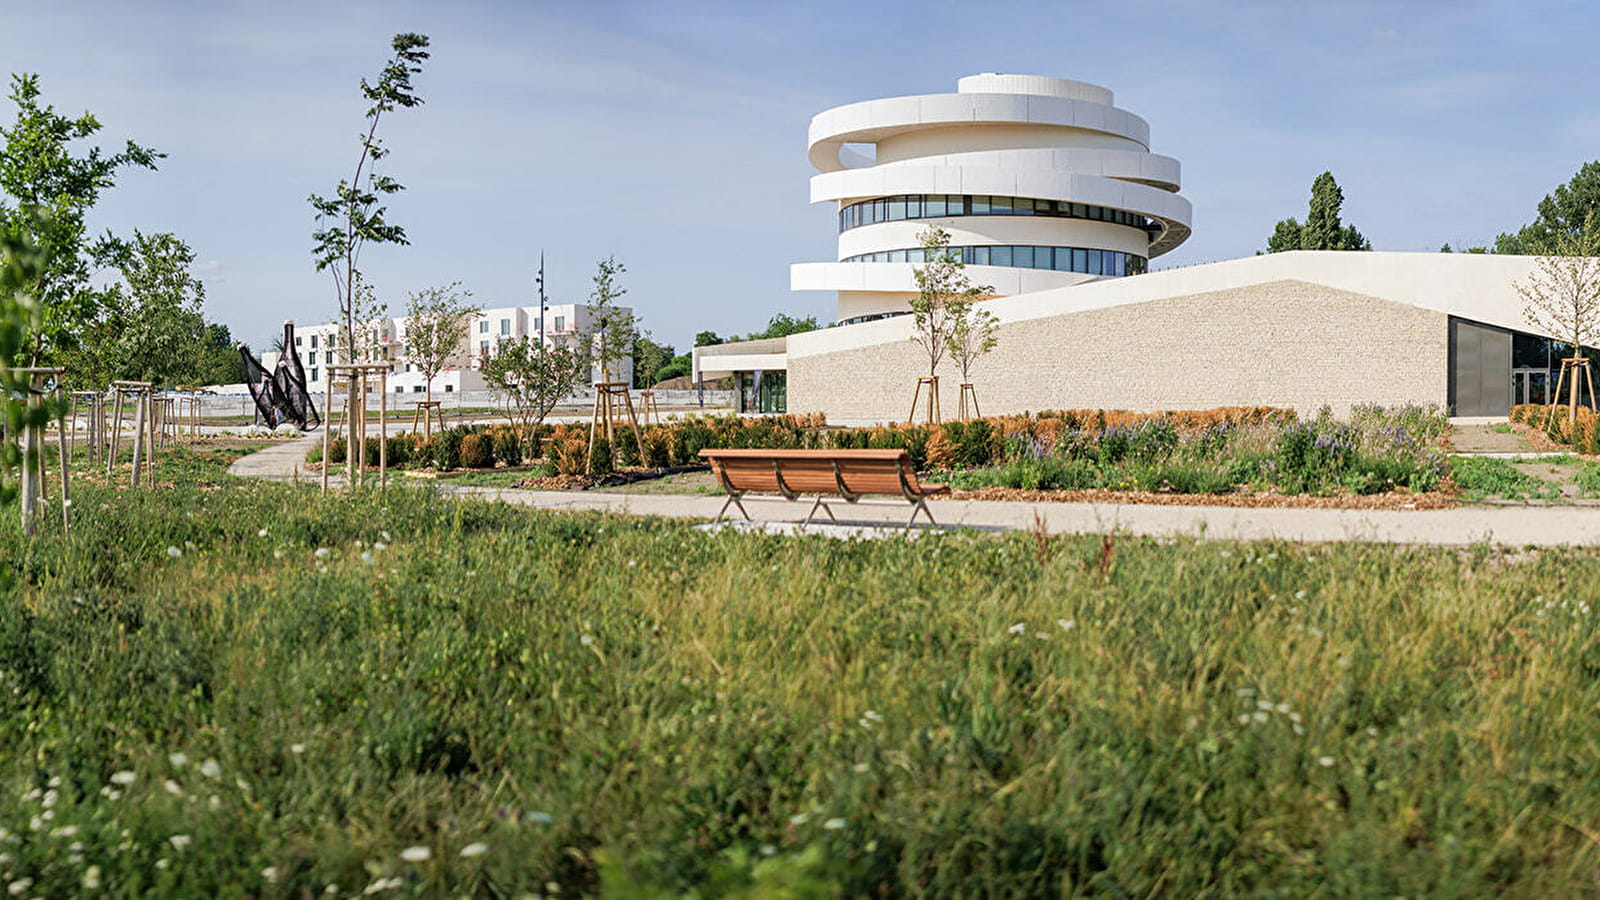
[(874, 120), (1128, 165), (1169, 210)]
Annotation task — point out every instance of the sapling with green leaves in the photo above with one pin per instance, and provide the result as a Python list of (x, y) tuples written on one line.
[(354, 216), (944, 292), (1561, 295), (613, 329), (534, 377), (437, 321)]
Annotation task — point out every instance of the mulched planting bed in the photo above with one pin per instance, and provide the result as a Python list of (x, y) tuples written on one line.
[(1392, 500)]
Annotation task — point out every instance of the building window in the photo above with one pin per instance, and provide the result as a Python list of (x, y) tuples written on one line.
[(483, 327), (561, 323), (299, 341), (313, 342), (936, 206), (505, 326), (1060, 259), (483, 349), (328, 357), (448, 389), (313, 374), (416, 389)]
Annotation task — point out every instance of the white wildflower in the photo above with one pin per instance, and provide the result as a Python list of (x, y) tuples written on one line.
[(261, 533), (179, 841), (323, 553), (834, 824), (1018, 628), (172, 787), (1282, 708), (91, 878), (474, 849), (19, 887), (174, 552), (49, 799), (1259, 717), (415, 854), (65, 831), (1244, 718), (862, 767), (123, 778), (367, 558), (386, 536), (270, 874), (297, 749), (1325, 761), (211, 769), (797, 819), (178, 760), (162, 863), (1066, 624), (587, 640)]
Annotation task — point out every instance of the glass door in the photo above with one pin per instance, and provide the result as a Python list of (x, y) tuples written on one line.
[(1530, 386)]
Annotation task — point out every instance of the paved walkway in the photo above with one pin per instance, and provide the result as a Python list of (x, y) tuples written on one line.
[(1513, 526)]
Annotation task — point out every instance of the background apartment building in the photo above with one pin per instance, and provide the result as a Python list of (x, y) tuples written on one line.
[(487, 332)]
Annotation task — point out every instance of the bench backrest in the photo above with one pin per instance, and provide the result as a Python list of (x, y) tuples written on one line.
[(846, 472)]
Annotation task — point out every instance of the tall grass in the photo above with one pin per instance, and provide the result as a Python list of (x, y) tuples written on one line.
[(629, 706)]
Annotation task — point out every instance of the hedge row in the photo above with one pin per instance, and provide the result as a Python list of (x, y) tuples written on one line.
[(952, 445), (1581, 433)]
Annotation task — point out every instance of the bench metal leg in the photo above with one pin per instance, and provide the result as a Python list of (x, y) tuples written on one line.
[(922, 507), (733, 500), (825, 508)]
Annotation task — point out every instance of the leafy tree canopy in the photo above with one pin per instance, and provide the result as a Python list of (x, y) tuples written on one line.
[(40, 173), (1322, 229), (1562, 212)]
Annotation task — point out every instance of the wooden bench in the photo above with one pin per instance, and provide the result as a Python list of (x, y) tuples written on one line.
[(849, 475)]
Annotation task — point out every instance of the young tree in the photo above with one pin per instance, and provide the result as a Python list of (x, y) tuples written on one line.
[(973, 332), (1562, 294), (649, 358), (707, 339), (437, 320), (353, 216), (614, 329), (151, 327), (943, 292), (535, 378), (1322, 229), (38, 172)]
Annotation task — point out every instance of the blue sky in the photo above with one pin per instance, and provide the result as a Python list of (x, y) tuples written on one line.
[(673, 134)]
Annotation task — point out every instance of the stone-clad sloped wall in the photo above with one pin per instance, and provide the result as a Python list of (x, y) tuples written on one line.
[(1282, 343)]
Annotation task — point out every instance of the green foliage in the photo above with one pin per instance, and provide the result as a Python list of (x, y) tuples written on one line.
[(1587, 479), (507, 446), (649, 359), (1322, 229), (151, 327), (706, 339), (944, 296), (679, 367), (1563, 211), (46, 194), (354, 216), (446, 447), (633, 708), (1481, 477), (783, 325), (534, 377), (615, 329), (22, 264), (437, 320), (601, 461)]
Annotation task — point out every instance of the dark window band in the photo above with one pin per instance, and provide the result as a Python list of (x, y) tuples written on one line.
[(1058, 259), (937, 206)]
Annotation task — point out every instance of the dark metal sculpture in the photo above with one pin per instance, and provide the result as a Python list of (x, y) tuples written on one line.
[(281, 394)]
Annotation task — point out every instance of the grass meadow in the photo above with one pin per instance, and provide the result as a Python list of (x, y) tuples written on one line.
[(228, 689)]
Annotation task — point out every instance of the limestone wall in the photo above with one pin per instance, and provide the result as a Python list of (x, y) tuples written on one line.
[(1282, 343)]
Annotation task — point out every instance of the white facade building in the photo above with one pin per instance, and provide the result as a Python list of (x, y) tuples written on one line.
[(1040, 182), (486, 333), (1051, 193)]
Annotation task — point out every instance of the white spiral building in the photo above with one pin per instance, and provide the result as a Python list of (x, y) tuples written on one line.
[(1041, 183)]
